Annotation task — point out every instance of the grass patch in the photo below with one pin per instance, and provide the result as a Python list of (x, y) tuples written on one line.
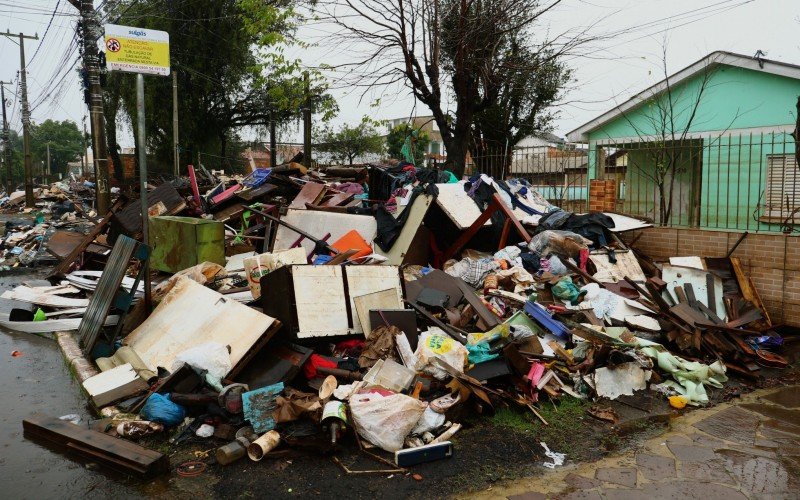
[(515, 418)]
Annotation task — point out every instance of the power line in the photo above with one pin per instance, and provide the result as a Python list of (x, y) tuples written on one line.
[(46, 31)]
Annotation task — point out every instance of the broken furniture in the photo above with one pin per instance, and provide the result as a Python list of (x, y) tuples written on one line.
[(182, 242)]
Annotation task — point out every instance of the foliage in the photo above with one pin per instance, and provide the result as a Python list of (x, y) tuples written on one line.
[(455, 56), (347, 143), (397, 137), (64, 138), (231, 73), (529, 83)]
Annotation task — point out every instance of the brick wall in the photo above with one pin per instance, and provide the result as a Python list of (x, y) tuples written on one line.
[(602, 195), (771, 260)]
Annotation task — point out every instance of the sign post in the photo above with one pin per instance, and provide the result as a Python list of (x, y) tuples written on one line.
[(140, 51)]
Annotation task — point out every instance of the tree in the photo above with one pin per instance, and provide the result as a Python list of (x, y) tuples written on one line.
[(347, 143), (397, 137), (64, 139), (664, 142), (530, 83), (228, 56), (442, 49)]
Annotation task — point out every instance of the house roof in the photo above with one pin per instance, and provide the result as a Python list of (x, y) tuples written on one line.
[(719, 57)]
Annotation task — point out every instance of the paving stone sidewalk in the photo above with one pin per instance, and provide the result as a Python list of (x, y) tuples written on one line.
[(746, 450)]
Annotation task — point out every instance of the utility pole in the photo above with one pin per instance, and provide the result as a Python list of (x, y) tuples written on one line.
[(273, 147), (307, 124), (26, 116), (6, 140), (175, 121), (85, 155), (90, 33)]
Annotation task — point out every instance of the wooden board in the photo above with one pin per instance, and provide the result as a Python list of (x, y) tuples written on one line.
[(749, 291), (318, 224), (320, 298), (693, 261), (310, 193), (626, 265), (678, 276), (397, 254), (190, 315), (118, 454), (457, 205), (384, 299), (128, 221), (112, 385)]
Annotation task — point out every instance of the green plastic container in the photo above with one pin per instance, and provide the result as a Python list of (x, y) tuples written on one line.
[(182, 242)]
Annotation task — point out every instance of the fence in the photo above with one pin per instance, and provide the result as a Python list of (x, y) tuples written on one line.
[(560, 174), (738, 182), (731, 181)]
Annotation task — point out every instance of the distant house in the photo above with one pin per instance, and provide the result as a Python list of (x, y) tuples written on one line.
[(427, 124), (709, 146), (544, 140)]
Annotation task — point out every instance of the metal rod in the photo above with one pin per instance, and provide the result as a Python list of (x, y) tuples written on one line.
[(142, 143), (175, 146)]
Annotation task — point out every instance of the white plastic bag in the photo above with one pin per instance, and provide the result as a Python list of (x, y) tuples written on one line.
[(434, 343), (429, 421), (385, 421), (265, 263), (212, 357)]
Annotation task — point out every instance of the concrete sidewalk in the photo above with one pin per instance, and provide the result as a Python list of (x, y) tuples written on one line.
[(746, 449)]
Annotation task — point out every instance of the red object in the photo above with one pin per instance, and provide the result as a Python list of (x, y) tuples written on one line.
[(583, 257), (226, 194), (195, 189), (314, 362), (556, 308), (16, 354)]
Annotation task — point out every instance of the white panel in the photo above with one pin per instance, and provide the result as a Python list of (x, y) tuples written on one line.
[(318, 224), (319, 295), (190, 315)]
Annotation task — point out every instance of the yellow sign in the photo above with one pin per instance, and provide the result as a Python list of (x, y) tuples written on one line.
[(137, 50)]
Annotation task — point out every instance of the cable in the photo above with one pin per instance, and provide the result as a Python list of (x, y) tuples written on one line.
[(46, 31)]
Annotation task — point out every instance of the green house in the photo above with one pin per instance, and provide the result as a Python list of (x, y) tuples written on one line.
[(710, 146)]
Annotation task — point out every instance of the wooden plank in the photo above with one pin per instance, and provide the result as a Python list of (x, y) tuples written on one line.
[(311, 192), (118, 454), (320, 296), (319, 224), (63, 267), (112, 385), (458, 206), (397, 254), (748, 289), (627, 265)]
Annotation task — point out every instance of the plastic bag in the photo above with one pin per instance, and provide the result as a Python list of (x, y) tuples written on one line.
[(385, 421), (481, 352), (211, 357), (160, 408), (434, 343), (429, 421), (265, 263)]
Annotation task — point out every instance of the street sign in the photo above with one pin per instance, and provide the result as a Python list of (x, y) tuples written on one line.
[(137, 50)]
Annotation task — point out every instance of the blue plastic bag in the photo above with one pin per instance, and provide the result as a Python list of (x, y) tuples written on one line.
[(160, 408)]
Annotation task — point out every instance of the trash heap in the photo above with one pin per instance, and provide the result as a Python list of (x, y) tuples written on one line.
[(372, 307)]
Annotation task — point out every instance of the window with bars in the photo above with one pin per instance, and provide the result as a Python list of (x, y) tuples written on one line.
[(782, 192)]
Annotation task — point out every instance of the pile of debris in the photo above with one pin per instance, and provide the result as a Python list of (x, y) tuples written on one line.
[(373, 305)]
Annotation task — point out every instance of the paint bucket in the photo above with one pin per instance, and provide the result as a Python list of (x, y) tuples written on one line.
[(263, 445)]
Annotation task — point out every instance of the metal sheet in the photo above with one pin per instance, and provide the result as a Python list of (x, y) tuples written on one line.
[(103, 297), (190, 315)]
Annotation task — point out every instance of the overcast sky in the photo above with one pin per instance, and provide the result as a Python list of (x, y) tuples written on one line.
[(623, 66)]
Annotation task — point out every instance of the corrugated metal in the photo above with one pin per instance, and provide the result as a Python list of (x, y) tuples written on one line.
[(103, 297)]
